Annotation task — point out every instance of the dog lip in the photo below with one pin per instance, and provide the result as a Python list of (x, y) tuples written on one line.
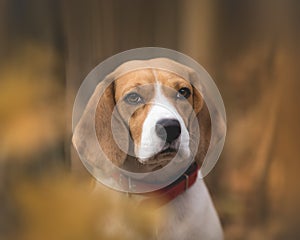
[(164, 153), (168, 150), (157, 167)]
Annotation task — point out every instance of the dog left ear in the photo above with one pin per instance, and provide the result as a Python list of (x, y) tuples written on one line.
[(93, 138), (202, 117)]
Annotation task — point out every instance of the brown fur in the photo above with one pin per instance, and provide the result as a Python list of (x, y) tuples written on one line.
[(171, 83), (103, 118), (139, 81)]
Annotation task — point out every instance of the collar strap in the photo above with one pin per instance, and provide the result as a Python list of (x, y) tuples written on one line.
[(168, 193), (164, 195)]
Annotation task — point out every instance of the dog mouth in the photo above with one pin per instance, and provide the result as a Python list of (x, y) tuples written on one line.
[(168, 150), (161, 159), (166, 153)]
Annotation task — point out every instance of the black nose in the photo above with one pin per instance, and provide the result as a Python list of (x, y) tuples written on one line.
[(168, 129)]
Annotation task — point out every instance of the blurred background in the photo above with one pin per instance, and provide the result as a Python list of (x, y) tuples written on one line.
[(251, 50)]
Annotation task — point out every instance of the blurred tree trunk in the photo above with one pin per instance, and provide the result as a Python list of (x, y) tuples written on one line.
[(257, 64), (196, 31), (30, 53), (3, 26)]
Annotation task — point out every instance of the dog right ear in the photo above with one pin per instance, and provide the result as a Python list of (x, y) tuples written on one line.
[(104, 118), (93, 138)]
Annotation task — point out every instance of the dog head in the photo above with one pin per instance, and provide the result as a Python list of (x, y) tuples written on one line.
[(146, 117)]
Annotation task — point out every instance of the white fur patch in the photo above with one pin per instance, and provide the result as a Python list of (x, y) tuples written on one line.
[(150, 143)]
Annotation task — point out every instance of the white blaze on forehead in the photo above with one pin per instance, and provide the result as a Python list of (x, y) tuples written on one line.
[(161, 108)]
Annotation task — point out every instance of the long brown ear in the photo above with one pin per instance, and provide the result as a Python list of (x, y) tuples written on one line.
[(104, 118), (200, 124), (94, 129), (204, 121)]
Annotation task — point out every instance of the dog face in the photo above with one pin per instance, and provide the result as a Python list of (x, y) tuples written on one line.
[(157, 106), (144, 118)]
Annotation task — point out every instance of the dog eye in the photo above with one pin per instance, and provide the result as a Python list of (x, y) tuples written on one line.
[(133, 99), (183, 93)]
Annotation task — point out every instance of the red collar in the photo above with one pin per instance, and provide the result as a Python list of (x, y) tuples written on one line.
[(162, 196), (170, 192)]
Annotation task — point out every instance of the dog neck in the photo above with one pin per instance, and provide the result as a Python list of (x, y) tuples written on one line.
[(166, 194)]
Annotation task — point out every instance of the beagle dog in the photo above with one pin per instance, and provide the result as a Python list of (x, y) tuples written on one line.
[(146, 114)]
